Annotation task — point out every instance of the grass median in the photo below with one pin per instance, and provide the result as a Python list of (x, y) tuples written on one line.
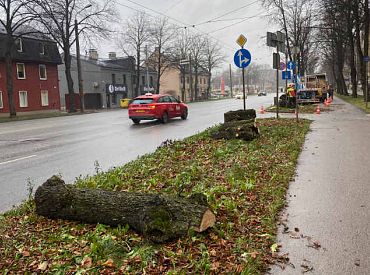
[(358, 102), (245, 183)]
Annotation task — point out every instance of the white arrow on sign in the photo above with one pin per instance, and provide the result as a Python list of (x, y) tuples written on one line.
[(241, 60)]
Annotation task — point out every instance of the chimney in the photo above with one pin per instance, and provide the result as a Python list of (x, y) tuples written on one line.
[(93, 54), (112, 55)]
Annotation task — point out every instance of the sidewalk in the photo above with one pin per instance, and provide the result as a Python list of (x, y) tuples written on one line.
[(328, 213)]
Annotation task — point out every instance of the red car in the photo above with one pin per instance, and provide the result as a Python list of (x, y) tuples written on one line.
[(162, 107)]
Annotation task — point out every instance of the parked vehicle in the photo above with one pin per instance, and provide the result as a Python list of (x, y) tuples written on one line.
[(262, 93), (162, 107), (239, 96)]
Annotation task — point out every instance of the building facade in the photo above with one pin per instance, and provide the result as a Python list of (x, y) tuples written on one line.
[(35, 75), (105, 81), (172, 82)]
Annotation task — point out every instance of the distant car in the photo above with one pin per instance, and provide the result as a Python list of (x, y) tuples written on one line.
[(263, 93), (239, 96), (153, 106)]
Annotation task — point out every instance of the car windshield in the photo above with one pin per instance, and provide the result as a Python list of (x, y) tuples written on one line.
[(143, 101)]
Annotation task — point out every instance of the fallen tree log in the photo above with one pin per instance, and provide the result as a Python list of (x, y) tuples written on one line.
[(159, 217), (240, 115), (244, 129)]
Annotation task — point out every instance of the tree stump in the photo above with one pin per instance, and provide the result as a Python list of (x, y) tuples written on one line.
[(244, 129), (158, 217), (240, 115)]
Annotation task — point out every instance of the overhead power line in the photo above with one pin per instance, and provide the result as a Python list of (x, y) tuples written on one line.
[(228, 13), (231, 25)]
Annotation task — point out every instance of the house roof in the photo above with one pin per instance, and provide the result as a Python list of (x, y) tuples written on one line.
[(31, 45)]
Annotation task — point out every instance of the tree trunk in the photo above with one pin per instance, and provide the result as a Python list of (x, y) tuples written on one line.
[(240, 115), (68, 64), (9, 77), (352, 54), (196, 84), (159, 217), (159, 70), (242, 129), (137, 88), (209, 84)]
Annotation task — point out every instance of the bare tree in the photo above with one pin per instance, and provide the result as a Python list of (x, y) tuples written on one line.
[(161, 38), (213, 58), (197, 59), (134, 37), (14, 19), (58, 19)]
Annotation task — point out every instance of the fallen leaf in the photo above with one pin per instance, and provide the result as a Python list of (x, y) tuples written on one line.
[(108, 263), (43, 266), (254, 254), (26, 253), (86, 262), (274, 247)]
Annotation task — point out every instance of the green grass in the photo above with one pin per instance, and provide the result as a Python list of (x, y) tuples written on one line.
[(303, 109), (358, 102), (245, 183)]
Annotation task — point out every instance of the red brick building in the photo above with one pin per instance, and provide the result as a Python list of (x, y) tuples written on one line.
[(35, 75)]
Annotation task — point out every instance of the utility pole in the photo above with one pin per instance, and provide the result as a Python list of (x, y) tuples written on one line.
[(277, 80), (147, 69), (79, 73), (231, 82), (191, 79)]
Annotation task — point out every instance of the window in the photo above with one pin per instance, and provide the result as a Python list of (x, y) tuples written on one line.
[(1, 100), (42, 72), (42, 49), (124, 79), (143, 101), (143, 80), (19, 45), (151, 81), (114, 98), (113, 79), (21, 71), (44, 98), (23, 101)]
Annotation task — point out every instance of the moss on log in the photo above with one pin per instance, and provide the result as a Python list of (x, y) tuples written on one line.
[(245, 130), (239, 115), (159, 217)]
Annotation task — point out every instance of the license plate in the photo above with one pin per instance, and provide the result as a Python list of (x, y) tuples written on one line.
[(140, 111)]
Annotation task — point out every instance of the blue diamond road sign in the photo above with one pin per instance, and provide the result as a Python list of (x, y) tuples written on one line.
[(242, 58), (290, 65)]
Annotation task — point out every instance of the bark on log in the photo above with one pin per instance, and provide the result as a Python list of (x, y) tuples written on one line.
[(240, 115), (160, 218), (245, 130)]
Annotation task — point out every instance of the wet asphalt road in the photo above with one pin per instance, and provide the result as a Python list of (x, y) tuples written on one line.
[(38, 149), (329, 201)]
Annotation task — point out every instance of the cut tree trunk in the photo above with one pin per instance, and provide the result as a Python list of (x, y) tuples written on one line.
[(159, 217), (244, 129), (240, 115)]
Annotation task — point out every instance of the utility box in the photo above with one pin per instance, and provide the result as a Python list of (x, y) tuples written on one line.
[(124, 102)]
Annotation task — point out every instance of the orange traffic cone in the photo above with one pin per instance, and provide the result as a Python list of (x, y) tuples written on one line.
[(262, 110), (326, 102), (318, 109)]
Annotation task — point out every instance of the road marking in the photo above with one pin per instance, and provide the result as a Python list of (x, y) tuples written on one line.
[(18, 159)]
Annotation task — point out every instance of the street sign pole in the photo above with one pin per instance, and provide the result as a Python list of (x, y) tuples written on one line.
[(277, 84), (244, 103)]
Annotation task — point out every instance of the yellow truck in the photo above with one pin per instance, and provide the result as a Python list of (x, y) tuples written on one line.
[(315, 90)]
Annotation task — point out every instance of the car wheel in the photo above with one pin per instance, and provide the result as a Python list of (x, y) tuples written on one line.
[(184, 114), (164, 118), (136, 121)]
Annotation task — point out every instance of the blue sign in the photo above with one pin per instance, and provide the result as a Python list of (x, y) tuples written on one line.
[(287, 75), (290, 65), (242, 58), (366, 59)]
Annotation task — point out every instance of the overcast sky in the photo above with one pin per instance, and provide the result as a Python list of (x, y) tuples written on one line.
[(198, 12)]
